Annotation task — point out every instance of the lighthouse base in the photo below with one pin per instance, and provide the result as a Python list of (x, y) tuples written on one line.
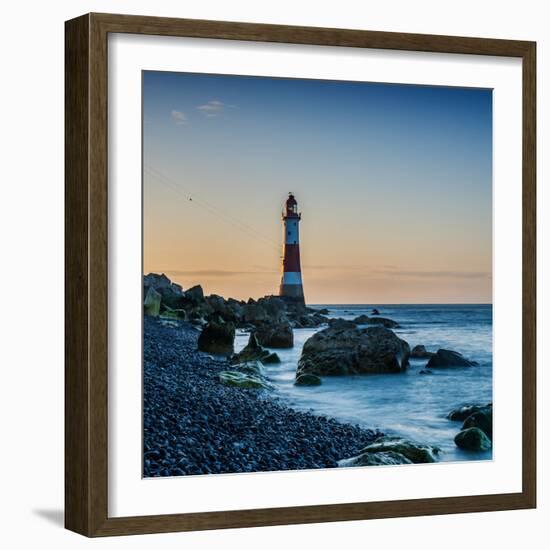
[(296, 292)]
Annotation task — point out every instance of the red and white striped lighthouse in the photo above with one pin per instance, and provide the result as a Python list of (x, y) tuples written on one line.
[(291, 278)]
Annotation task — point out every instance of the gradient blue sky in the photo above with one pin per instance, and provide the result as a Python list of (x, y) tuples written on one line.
[(394, 183)]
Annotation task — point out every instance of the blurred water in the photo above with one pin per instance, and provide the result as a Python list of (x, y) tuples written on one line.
[(409, 404)]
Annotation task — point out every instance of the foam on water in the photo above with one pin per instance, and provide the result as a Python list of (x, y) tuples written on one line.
[(408, 404)]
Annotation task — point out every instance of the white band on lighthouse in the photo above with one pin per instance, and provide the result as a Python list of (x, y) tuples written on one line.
[(292, 278)]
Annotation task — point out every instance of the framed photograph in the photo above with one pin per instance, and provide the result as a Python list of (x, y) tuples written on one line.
[(300, 275)]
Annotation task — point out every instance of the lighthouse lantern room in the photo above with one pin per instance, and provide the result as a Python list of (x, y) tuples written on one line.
[(291, 278)]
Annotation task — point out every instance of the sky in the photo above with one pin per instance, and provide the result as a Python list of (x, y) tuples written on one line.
[(394, 183)]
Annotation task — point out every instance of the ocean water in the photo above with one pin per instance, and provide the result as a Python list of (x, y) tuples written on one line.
[(407, 404)]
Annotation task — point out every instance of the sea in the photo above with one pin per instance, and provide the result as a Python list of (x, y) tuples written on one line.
[(409, 404)]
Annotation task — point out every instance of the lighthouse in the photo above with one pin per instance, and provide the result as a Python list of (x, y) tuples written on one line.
[(291, 278)]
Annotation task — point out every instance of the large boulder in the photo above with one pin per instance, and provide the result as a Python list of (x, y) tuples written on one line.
[(337, 351), (278, 335), (472, 439), (482, 419), (445, 358), (393, 450), (420, 352), (217, 338), (463, 412), (151, 304)]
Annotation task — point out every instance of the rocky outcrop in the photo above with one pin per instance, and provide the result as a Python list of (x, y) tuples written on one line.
[(338, 351), (445, 358), (307, 380), (277, 335), (473, 439), (253, 351), (420, 352), (393, 450), (217, 338)]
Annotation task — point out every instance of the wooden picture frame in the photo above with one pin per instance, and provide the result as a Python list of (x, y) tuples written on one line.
[(86, 284)]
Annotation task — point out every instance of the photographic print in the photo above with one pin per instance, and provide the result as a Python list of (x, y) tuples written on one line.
[(317, 274)]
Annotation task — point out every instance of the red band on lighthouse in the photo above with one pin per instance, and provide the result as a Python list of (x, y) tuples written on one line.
[(291, 279)]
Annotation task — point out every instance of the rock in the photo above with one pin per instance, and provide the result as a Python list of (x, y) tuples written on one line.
[(253, 351), (242, 380), (472, 439), (425, 371), (250, 367), (323, 311), (274, 307), (254, 313), (151, 304), (340, 323), (157, 281), (482, 419), (445, 358), (307, 380), (195, 294), (271, 359), (279, 335), (375, 312), (361, 320), (462, 413), (386, 458), (420, 352), (413, 452), (337, 351), (217, 338), (388, 323)]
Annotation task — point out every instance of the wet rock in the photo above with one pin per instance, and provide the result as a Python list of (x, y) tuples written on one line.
[(361, 320), (308, 380), (413, 452), (278, 335), (217, 338), (253, 351), (375, 312), (472, 439), (271, 359), (385, 458), (243, 380), (337, 351), (420, 352), (461, 413), (340, 324), (425, 371), (482, 419), (151, 304), (388, 323), (445, 358)]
